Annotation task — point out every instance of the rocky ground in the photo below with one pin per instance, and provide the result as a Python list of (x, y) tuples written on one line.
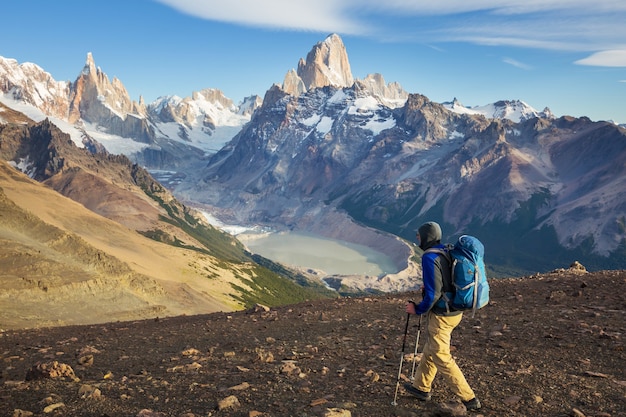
[(546, 345)]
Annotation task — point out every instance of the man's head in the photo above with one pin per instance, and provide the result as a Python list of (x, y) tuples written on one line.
[(429, 235)]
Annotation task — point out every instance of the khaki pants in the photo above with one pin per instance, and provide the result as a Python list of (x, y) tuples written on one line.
[(437, 357)]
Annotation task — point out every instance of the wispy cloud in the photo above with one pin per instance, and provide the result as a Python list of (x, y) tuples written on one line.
[(573, 25), (516, 63), (613, 58), (319, 15)]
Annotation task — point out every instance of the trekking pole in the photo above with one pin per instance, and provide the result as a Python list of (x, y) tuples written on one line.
[(406, 330), (417, 340)]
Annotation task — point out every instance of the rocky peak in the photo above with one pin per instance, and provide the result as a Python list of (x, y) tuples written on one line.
[(392, 95), (29, 83), (326, 64), (214, 96), (94, 96), (293, 84), (249, 105)]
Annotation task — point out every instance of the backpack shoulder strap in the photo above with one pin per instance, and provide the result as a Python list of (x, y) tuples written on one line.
[(445, 252)]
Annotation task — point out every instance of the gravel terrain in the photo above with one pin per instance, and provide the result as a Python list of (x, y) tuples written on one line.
[(546, 345)]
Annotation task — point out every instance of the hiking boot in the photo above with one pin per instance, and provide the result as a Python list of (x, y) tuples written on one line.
[(420, 395), (472, 404)]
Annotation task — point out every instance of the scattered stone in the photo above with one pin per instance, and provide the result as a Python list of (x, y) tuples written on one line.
[(336, 412), (318, 402), (264, 356), (289, 367), (596, 374), (89, 392), (50, 370), (228, 402), (577, 267), (190, 352), (22, 413), (514, 399), (260, 308), (373, 376), (52, 407), (451, 409), (86, 360), (185, 369), (87, 350), (240, 387), (150, 413), (577, 413)]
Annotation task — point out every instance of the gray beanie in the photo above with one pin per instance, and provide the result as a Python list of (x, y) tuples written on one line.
[(430, 235)]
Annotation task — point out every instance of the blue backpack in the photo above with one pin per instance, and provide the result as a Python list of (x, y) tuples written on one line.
[(469, 279)]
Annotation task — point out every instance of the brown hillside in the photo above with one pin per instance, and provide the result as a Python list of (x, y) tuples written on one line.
[(62, 264), (546, 345)]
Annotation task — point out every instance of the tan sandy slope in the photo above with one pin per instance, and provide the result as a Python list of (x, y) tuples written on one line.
[(63, 264)]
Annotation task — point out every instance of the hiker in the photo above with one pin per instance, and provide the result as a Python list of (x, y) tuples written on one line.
[(436, 355)]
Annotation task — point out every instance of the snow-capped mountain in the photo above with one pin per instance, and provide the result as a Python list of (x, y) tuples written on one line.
[(94, 110), (515, 110), (206, 120), (325, 159)]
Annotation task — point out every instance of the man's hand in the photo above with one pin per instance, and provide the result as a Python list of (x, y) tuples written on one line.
[(410, 307)]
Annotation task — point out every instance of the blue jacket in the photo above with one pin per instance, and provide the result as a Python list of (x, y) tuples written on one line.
[(436, 276)]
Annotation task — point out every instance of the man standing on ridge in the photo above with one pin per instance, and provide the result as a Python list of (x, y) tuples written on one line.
[(436, 274)]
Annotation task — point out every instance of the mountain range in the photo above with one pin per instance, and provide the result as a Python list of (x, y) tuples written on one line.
[(358, 160)]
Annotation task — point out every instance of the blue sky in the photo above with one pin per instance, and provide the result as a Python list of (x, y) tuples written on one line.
[(568, 55)]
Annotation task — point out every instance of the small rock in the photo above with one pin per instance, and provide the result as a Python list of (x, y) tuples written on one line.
[(451, 409), (89, 392), (240, 387), (512, 400), (150, 413), (260, 308), (318, 401), (289, 367), (596, 374), (336, 412), (577, 267), (228, 402), (22, 413), (265, 356), (576, 413), (190, 352), (53, 407), (50, 370), (86, 360), (185, 369)]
